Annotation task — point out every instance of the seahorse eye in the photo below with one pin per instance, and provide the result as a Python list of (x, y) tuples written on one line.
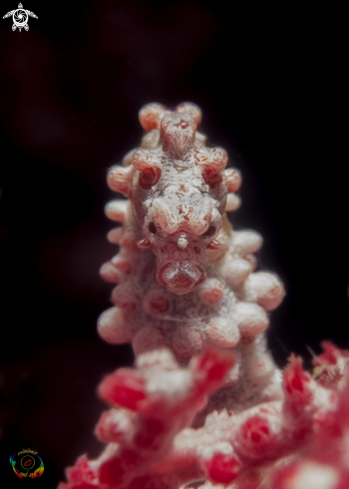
[(210, 232), (152, 228)]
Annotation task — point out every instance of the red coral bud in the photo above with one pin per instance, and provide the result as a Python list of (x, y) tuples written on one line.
[(124, 388), (297, 385), (222, 467), (116, 425), (256, 435), (214, 365), (105, 430), (295, 377), (81, 475), (330, 356)]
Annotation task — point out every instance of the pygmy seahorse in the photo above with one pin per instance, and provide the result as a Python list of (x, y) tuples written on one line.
[(186, 278)]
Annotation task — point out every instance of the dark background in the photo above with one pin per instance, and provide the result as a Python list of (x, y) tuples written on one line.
[(270, 82)]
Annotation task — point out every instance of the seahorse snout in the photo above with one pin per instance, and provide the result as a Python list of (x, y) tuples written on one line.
[(181, 277)]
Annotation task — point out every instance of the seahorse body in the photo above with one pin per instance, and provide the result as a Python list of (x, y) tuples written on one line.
[(185, 277)]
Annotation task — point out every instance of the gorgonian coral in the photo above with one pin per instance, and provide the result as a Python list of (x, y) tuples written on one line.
[(295, 443), (205, 406)]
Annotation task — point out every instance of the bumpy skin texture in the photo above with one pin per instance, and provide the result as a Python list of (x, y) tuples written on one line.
[(185, 278)]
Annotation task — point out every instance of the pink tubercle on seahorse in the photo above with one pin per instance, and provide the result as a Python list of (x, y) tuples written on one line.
[(185, 277)]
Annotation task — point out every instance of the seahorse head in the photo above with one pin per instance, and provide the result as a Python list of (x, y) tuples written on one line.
[(179, 194)]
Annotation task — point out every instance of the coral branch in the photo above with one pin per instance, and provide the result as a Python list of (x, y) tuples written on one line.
[(151, 445), (157, 401)]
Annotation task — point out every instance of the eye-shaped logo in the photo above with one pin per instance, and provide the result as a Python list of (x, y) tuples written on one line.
[(27, 463)]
